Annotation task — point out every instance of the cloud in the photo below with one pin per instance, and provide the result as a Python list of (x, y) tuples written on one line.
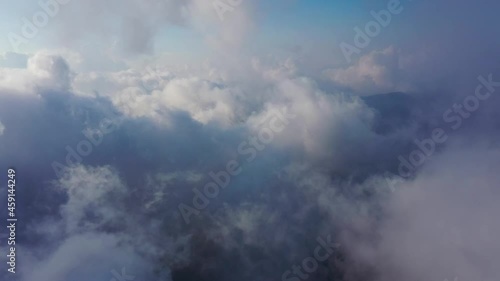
[(99, 254), (89, 190), (434, 228), (130, 28), (95, 235), (114, 202), (377, 72), (322, 175), (43, 72)]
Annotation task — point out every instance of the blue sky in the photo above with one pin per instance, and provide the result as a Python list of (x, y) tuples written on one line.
[(305, 30), (276, 23)]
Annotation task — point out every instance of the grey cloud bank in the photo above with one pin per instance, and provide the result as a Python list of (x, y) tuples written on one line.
[(322, 173)]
